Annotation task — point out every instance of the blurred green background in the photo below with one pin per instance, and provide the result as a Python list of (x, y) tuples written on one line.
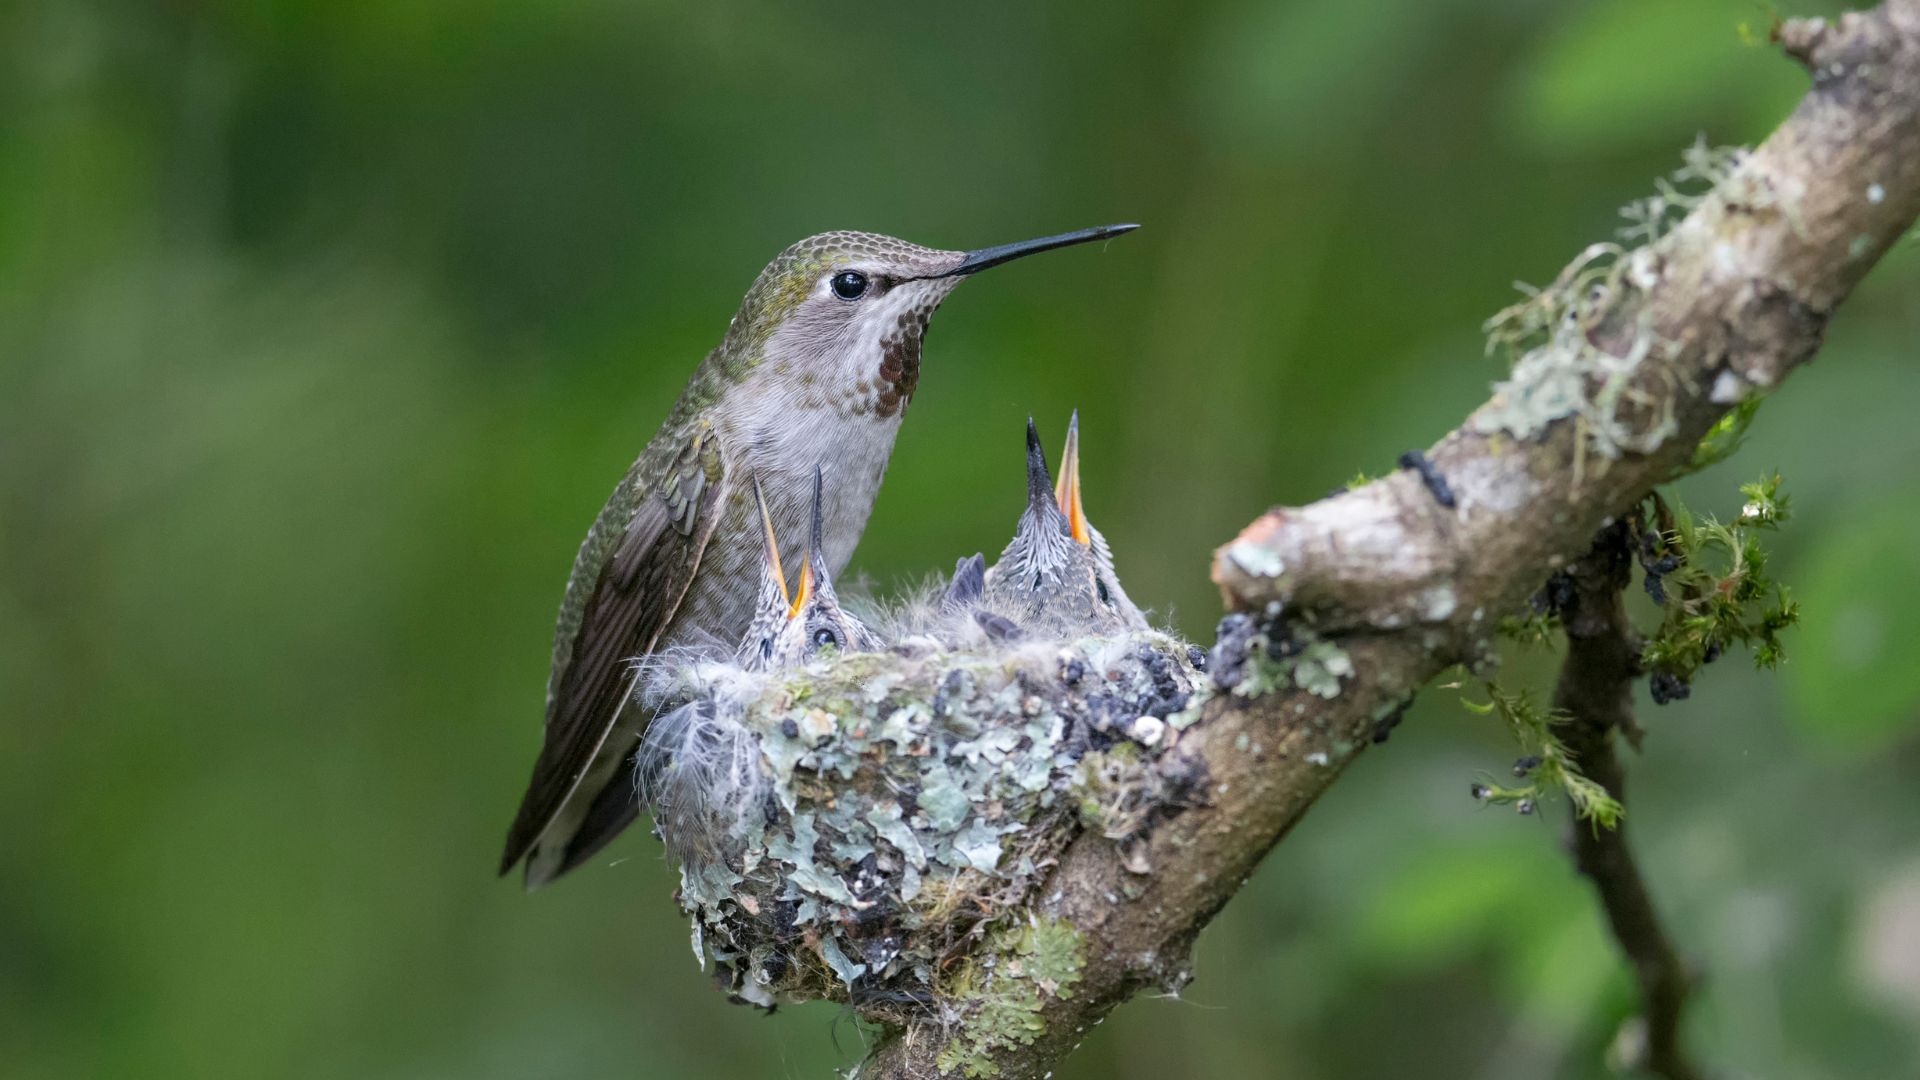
[(325, 327)]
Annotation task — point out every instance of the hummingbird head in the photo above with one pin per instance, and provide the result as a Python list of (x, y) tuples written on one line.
[(836, 320)]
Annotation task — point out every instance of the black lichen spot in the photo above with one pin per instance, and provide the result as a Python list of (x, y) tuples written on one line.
[(1526, 765), (1437, 485), (1656, 562), (1073, 671), (1667, 687), (1105, 713), (1169, 694), (956, 688), (785, 912), (790, 728), (1283, 645), (1227, 662), (1383, 727), (1557, 597), (1187, 781)]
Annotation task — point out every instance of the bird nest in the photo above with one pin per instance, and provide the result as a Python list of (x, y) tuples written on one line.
[(846, 829), (852, 819)]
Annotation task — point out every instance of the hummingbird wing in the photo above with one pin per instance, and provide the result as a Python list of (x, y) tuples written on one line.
[(628, 581)]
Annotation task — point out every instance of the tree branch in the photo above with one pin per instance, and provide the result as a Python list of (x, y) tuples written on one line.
[(1735, 297), (1595, 694)]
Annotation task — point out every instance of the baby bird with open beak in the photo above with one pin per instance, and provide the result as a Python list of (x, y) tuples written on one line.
[(792, 626), (1066, 492), (1052, 578)]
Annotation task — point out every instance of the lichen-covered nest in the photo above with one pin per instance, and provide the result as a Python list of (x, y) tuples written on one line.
[(849, 827)]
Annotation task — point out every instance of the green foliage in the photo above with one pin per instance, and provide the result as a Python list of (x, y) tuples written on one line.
[(1530, 630), (1853, 683), (1547, 765), (1713, 583), (1589, 85), (1726, 436)]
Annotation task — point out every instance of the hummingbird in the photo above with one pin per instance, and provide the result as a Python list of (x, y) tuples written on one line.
[(818, 364), (1051, 577)]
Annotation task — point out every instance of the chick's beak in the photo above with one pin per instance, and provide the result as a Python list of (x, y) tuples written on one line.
[(1066, 490), (773, 545), (804, 592)]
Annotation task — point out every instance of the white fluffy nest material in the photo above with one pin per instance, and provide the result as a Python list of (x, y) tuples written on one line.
[(845, 827)]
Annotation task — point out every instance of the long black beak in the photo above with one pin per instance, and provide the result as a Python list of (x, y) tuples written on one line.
[(994, 256)]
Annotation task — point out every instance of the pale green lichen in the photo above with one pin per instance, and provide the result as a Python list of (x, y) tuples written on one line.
[(1320, 667), (899, 805), (1256, 559), (1000, 996), (1620, 402), (1316, 666)]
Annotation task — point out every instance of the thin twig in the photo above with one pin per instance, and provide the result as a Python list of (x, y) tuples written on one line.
[(1595, 694)]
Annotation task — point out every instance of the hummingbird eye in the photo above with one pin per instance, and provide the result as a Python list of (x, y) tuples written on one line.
[(849, 284), (824, 637)]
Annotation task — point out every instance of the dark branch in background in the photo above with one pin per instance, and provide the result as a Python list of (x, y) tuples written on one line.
[(1595, 696), (1723, 306)]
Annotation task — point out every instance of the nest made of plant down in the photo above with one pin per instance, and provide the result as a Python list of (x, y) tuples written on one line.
[(848, 828)]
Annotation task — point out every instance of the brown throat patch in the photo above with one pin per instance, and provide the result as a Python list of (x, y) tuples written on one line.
[(899, 365)]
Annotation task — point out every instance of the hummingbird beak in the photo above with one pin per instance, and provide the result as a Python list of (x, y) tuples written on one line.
[(1066, 491), (773, 546), (976, 261)]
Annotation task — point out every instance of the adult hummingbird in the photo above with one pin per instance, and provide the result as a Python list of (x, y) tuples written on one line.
[(818, 365)]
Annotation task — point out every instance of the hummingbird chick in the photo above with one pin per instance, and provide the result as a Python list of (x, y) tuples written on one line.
[(1066, 492), (699, 771), (818, 364), (1051, 578), (813, 619)]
